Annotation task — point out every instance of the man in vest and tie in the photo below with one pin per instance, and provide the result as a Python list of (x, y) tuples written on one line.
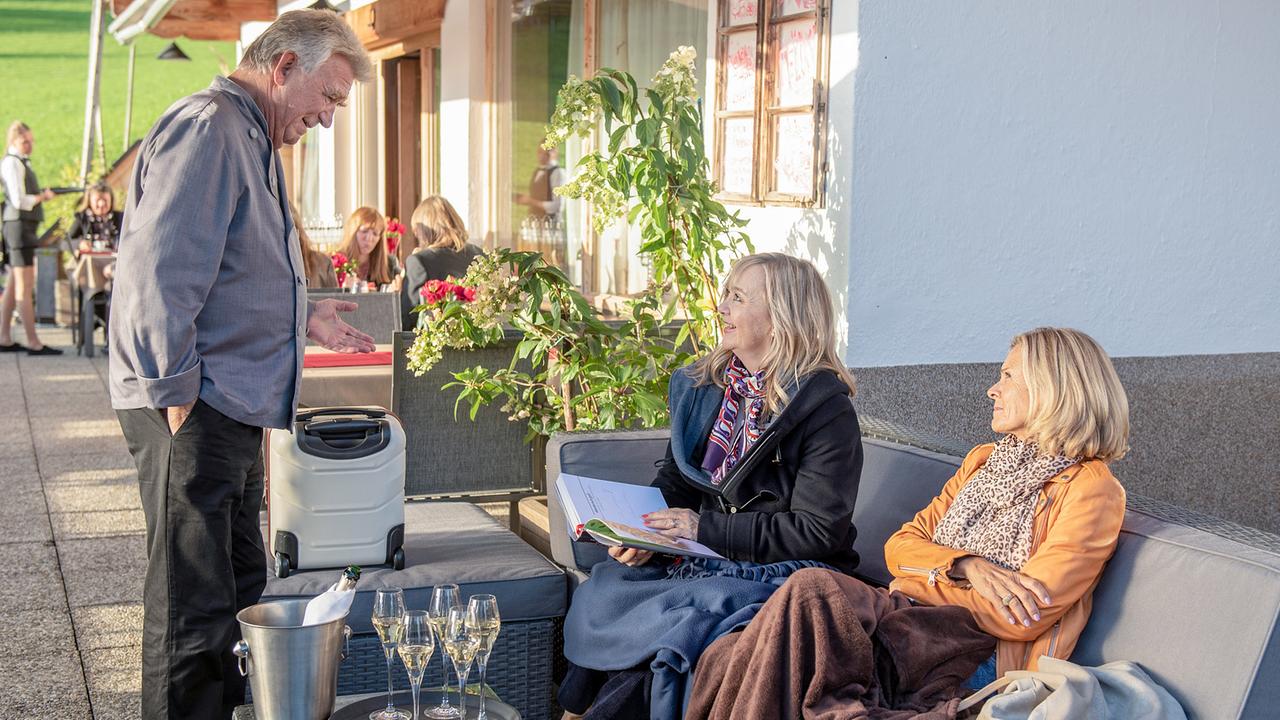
[(22, 217), (541, 199)]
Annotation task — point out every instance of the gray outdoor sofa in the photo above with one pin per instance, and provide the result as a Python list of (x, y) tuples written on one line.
[(1192, 599)]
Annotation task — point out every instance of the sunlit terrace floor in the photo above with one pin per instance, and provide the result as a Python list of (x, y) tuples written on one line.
[(71, 542)]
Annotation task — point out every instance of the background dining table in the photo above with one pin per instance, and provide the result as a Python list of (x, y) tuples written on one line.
[(330, 378)]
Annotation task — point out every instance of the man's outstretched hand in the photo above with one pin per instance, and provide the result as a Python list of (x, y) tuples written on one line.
[(332, 332)]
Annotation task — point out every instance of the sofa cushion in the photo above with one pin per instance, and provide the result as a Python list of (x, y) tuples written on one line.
[(897, 481), (448, 543), (1197, 610), (629, 457)]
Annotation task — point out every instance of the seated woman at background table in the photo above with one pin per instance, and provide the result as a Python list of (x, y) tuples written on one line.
[(97, 223), (762, 467), (442, 251), (320, 272), (1006, 556), (364, 240)]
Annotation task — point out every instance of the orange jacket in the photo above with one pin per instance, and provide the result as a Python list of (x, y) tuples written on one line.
[(1077, 523)]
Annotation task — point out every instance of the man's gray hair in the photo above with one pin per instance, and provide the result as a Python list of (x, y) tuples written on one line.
[(312, 35)]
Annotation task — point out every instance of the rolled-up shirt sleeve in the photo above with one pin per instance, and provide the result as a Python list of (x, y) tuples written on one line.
[(171, 253)]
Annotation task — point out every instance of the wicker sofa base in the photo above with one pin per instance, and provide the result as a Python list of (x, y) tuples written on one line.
[(519, 670)]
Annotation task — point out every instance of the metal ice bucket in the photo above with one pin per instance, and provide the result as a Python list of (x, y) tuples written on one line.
[(292, 670)]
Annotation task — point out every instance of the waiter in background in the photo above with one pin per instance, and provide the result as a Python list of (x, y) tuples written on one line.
[(22, 217), (541, 199)]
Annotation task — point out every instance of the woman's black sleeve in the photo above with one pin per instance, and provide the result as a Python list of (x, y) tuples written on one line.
[(675, 489)]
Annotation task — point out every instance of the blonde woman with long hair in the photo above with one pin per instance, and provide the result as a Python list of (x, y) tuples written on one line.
[(995, 573), (762, 467), (442, 250), (364, 241)]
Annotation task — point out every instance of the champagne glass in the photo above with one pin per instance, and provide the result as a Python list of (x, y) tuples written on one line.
[(416, 646), (388, 620), (443, 598), (483, 621), (462, 644)]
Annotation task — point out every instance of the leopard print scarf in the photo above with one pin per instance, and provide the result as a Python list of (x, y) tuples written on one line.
[(993, 514)]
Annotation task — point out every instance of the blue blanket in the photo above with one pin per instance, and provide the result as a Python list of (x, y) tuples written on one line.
[(666, 616)]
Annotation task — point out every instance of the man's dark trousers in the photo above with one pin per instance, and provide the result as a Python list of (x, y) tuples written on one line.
[(201, 493)]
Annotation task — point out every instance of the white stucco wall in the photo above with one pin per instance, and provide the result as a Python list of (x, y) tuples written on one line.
[(1109, 165)]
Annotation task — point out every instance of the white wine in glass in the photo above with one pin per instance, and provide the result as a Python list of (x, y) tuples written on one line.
[(443, 599), (389, 630), (415, 650), (462, 645), (484, 622), (388, 621)]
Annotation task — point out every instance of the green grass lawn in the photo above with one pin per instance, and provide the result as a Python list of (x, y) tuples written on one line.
[(44, 65)]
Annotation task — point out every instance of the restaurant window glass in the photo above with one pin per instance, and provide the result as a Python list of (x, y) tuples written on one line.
[(541, 43), (771, 100)]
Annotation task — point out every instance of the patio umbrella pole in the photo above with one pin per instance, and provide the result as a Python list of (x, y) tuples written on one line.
[(91, 89), (128, 99)]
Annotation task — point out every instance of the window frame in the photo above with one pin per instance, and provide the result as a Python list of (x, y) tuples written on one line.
[(765, 112)]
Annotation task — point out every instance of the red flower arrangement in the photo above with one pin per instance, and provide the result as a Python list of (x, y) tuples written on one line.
[(394, 232), (436, 291), (343, 266)]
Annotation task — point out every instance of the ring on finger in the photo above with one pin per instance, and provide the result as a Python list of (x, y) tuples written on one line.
[(1006, 600)]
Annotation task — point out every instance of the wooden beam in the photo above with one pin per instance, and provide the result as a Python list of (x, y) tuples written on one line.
[(195, 30), (408, 128), (206, 19), (388, 21), (212, 10)]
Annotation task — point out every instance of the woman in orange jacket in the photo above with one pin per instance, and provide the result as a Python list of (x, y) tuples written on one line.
[(1020, 534), (1021, 539)]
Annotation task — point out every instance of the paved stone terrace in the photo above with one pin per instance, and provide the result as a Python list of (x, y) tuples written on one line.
[(72, 544)]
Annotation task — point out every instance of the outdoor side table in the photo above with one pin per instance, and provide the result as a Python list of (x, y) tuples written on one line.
[(359, 706)]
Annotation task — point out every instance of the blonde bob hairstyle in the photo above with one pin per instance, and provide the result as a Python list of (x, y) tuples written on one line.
[(803, 336), (1077, 406), (366, 217), (436, 224)]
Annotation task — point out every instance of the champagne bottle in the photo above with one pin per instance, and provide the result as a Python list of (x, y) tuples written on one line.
[(335, 602), (349, 578)]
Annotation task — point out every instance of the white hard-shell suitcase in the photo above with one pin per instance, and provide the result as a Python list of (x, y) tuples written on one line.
[(335, 490)]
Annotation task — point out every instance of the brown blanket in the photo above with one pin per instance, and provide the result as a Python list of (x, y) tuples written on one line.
[(830, 647)]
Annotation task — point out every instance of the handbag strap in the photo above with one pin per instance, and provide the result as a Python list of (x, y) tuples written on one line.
[(1048, 679)]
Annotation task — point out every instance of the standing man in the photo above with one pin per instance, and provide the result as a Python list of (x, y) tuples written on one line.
[(208, 327), (542, 200), (22, 217)]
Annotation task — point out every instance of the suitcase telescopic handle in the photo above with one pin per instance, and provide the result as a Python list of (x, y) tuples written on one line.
[(344, 438)]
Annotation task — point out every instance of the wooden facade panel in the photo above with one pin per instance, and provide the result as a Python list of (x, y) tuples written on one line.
[(388, 21)]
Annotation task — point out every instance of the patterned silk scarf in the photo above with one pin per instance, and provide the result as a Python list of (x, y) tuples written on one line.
[(993, 514), (725, 447)]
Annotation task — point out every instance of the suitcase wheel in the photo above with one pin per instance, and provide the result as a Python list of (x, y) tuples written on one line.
[(282, 565), (397, 559)]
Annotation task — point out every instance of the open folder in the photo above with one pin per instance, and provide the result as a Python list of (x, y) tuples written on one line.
[(611, 513)]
